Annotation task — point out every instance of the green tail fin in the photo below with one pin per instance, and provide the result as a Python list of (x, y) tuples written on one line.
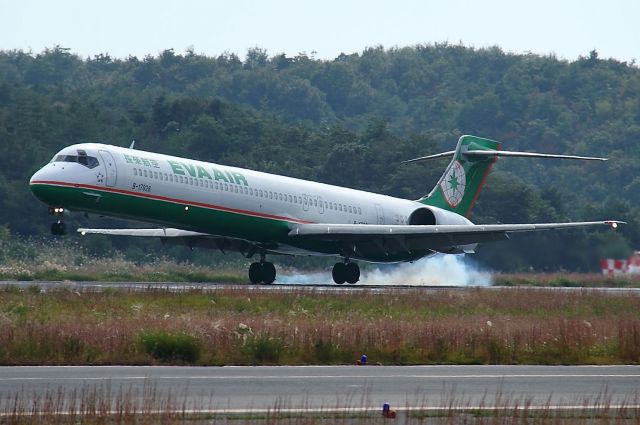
[(460, 185)]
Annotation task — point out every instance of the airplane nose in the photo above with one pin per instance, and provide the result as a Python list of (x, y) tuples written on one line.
[(38, 184), (37, 176)]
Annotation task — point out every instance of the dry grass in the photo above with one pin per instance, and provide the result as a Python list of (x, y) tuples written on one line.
[(306, 326), (67, 260), (102, 405), (575, 280)]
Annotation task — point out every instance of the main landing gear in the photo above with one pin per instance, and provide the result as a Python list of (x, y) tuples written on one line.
[(58, 228), (345, 272), (262, 272)]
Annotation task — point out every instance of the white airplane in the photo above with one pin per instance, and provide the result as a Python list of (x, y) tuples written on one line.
[(201, 204)]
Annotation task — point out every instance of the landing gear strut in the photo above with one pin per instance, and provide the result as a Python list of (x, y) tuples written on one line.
[(262, 272), (345, 272), (58, 228)]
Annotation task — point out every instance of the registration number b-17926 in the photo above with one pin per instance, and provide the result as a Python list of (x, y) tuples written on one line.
[(141, 187)]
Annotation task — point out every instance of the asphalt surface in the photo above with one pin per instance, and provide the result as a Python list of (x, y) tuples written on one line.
[(280, 287), (243, 389)]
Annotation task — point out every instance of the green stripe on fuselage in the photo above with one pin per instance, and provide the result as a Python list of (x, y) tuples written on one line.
[(218, 222), (166, 213)]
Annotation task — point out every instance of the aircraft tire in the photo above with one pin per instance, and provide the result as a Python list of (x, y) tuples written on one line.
[(339, 273), (255, 273), (352, 273), (268, 273), (58, 228)]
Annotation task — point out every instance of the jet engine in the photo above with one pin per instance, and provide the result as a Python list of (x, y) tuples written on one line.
[(433, 216)]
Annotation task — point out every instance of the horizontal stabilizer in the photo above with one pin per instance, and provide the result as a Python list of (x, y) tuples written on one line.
[(435, 156), (479, 154), (493, 154)]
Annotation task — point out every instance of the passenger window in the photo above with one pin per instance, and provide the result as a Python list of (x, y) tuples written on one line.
[(326, 205), (250, 191), (226, 187), (359, 211), (290, 198), (155, 174), (246, 191), (349, 208), (145, 173), (340, 207), (166, 177), (270, 195), (295, 199), (135, 172)]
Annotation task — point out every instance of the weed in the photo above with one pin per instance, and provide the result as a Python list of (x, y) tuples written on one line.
[(34, 289), (265, 350), (166, 347)]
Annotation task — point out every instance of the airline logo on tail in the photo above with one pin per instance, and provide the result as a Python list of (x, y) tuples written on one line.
[(453, 184)]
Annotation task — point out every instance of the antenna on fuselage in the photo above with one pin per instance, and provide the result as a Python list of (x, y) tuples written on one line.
[(133, 142)]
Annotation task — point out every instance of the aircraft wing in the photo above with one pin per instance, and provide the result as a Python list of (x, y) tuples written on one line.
[(443, 238), (184, 237), (160, 233)]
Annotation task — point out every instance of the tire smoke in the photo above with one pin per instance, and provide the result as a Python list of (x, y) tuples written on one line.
[(440, 270)]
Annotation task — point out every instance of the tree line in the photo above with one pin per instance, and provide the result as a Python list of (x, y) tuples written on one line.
[(349, 121)]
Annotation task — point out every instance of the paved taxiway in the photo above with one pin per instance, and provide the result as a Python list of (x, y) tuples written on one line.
[(253, 388)]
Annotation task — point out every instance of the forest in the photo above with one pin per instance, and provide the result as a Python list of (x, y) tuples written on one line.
[(348, 121)]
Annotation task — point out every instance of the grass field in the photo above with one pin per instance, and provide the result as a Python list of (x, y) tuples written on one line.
[(304, 326), (66, 259)]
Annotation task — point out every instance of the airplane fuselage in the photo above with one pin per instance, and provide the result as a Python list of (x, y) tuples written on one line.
[(214, 199)]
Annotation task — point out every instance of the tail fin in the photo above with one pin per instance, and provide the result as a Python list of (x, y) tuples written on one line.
[(461, 184)]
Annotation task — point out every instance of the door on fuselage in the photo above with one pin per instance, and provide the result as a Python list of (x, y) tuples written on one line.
[(305, 202), (380, 214), (110, 166)]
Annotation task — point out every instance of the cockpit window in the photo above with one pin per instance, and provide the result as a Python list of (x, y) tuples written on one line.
[(87, 161)]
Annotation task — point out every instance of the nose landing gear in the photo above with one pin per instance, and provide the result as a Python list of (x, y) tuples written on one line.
[(58, 228), (345, 272)]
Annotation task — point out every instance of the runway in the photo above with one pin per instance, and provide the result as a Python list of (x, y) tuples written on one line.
[(250, 389), (86, 286)]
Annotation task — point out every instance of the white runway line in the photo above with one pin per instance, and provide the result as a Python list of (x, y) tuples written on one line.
[(328, 377)]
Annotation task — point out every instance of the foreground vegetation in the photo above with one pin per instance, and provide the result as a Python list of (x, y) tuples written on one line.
[(242, 326), (100, 405)]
